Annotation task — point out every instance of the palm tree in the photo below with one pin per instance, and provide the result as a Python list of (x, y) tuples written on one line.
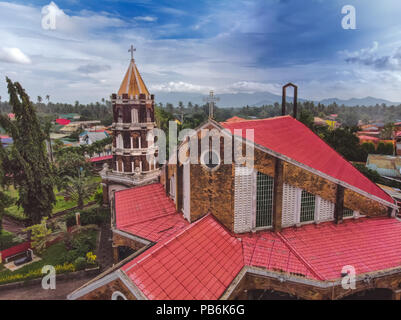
[(79, 189), (39, 99), (48, 98)]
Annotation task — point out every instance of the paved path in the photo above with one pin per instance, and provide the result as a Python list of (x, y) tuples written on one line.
[(35, 292), (105, 250), (12, 226)]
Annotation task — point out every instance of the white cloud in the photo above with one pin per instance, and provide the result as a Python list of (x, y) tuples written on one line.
[(146, 18), (14, 55), (370, 57), (252, 87), (178, 87)]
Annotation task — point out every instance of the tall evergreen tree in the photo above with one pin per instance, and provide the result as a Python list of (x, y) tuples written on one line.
[(30, 166), (5, 200)]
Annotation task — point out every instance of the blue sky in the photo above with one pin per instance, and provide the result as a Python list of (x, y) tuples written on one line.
[(195, 46)]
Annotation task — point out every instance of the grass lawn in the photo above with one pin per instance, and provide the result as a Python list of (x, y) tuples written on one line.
[(56, 255), (60, 204)]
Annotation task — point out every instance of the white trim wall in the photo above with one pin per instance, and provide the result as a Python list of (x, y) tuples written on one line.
[(186, 201)]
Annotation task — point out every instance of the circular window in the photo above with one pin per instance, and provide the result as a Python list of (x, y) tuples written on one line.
[(117, 295), (210, 159)]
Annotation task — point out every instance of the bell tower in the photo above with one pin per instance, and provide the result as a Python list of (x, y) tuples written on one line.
[(134, 151)]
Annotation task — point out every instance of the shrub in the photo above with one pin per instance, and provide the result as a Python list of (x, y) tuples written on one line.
[(91, 258), (92, 216), (80, 245), (80, 263), (385, 148), (99, 197), (40, 235)]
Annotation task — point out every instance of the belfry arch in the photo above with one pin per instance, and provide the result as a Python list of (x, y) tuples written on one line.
[(284, 102)]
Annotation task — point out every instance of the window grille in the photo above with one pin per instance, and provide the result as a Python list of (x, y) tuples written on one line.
[(307, 206), (264, 200), (290, 205), (348, 212), (243, 199)]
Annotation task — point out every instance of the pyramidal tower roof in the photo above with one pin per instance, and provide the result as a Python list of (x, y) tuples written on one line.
[(133, 83)]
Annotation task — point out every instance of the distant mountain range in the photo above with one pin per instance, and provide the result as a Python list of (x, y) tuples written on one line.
[(257, 99)]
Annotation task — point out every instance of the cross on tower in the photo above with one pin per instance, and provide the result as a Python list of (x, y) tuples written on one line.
[(211, 99), (132, 50)]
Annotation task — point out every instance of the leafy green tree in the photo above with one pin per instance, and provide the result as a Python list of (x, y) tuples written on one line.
[(345, 142), (39, 235), (28, 162), (349, 118), (306, 117), (371, 174), (79, 189), (69, 164), (387, 132), (385, 148), (5, 200), (368, 147)]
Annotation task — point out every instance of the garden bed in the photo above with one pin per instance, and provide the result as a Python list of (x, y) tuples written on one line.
[(66, 256)]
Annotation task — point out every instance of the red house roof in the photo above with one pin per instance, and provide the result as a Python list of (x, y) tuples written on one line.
[(291, 138), (147, 212), (235, 119), (198, 262), (103, 158), (368, 138)]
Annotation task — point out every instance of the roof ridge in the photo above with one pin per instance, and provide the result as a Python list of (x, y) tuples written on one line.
[(254, 120), (300, 257)]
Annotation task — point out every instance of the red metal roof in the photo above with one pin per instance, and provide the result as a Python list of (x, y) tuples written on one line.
[(321, 251), (199, 262), (267, 250), (96, 159), (147, 212), (291, 138)]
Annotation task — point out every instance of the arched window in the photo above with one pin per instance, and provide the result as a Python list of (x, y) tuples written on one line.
[(120, 141), (134, 116), (117, 295), (120, 116), (148, 118)]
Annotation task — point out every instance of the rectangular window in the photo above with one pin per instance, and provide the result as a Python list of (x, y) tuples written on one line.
[(348, 213), (307, 207), (264, 200)]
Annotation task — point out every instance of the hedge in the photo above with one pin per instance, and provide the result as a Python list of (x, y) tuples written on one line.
[(90, 216)]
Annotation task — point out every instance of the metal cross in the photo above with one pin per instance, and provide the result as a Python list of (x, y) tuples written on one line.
[(132, 49), (211, 99)]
